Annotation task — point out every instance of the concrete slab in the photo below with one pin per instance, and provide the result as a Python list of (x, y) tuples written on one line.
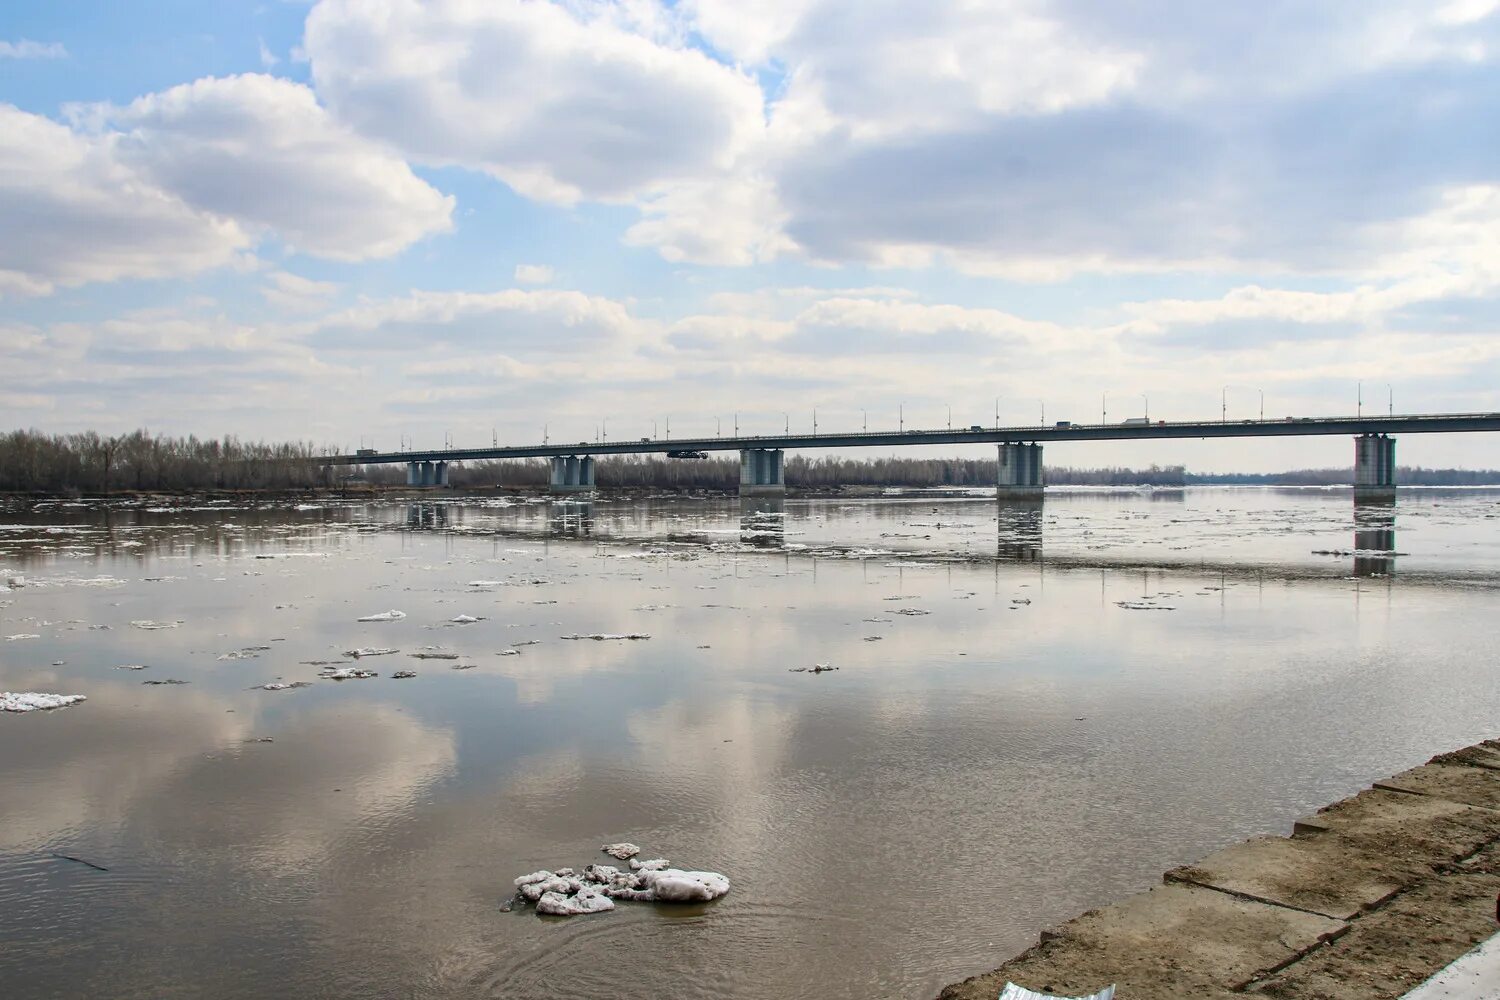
[(1329, 875), (1486, 754), (1394, 949), (1475, 786), (1420, 828), (1173, 941), (1473, 976)]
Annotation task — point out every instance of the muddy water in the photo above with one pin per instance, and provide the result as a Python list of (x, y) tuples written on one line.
[(1095, 690)]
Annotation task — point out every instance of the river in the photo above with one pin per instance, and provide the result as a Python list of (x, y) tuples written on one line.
[(1036, 710)]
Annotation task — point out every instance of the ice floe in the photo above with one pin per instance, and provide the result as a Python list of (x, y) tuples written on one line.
[(567, 893), (384, 616), (346, 673), (816, 668), (282, 685), (464, 619), (21, 635), (152, 626), (370, 651), (402, 675), (31, 701), (605, 636)]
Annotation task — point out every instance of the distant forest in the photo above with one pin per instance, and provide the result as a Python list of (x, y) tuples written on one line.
[(33, 462)]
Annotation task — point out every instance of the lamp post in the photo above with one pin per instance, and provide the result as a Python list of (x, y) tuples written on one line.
[(787, 429), (1148, 407), (997, 413), (901, 417), (1359, 399), (718, 428), (1104, 407), (1262, 403), (1390, 400), (864, 419), (1224, 405), (736, 423), (950, 416), (815, 421)]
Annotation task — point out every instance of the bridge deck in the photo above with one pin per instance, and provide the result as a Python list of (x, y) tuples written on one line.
[(1286, 427)]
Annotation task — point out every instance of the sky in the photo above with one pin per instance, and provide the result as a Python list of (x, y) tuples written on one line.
[(385, 221)]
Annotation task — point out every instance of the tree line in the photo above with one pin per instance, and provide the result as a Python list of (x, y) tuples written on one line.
[(88, 462)]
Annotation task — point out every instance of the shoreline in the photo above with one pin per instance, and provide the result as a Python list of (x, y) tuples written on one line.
[(1368, 897)]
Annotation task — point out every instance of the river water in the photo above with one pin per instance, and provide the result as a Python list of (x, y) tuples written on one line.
[(1037, 709)]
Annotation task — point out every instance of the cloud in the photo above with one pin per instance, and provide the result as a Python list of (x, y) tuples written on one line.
[(261, 150), (534, 274), (294, 292), (27, 49), (72, 213), (560, 104), (538, 322)]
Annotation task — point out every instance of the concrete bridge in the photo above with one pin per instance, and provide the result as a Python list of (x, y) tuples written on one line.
[(1020, 448)]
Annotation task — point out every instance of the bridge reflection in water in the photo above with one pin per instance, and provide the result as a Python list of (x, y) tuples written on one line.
[(426, 515), (1374, 536), (574, 519), (1019, 529), (763, 522)]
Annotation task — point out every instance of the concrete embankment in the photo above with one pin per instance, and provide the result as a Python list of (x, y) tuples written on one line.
[(1367, 898)]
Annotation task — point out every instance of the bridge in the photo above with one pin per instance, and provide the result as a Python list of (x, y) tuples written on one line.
[(1020, 448)]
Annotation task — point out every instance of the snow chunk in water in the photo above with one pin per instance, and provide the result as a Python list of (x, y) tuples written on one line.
[(585, 901), (654, 865), (603, 636), (384, 616), (347, 673), (22, 635), (672, 885), (370, 651), (31, 701), (621, 851), (464, 619), (151, 625)]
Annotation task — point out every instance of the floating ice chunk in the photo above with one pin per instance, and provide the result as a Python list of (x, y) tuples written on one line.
[(131, 666), (911, 611), (1014, 992), (370, 651), (672, 885), (151, 625), (621, 851), (383, 616), (433, 654), (603, 636), (402, 675), (585, 901), (31, 701), (654, 865), (509, 652), (464, 619), (535, 890), (169, 680), (282, 685), (601, 873), (21, 635), (538, 876), (347, 673), (484, 583)]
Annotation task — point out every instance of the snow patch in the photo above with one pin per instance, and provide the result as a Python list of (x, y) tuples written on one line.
[(31, 701)]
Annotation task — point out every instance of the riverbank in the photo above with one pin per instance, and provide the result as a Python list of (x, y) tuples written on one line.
[(1367, 898)]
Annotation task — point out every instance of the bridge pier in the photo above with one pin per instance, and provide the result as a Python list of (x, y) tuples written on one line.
[(1375, 465), (762, 471), (440, 474), (571, 474), (1020, 471)]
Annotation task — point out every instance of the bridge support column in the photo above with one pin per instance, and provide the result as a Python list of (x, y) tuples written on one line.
[(1374, 465), (413, 473), (762, 470), (571, 474), (440, 474), (1020, 471), (426, 473)]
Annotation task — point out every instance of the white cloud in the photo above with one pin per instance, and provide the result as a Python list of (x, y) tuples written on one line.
[(268, 58), (72, 213), (560, 104), (294, 292), (534, 274), (261, 150), (27, 49)]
